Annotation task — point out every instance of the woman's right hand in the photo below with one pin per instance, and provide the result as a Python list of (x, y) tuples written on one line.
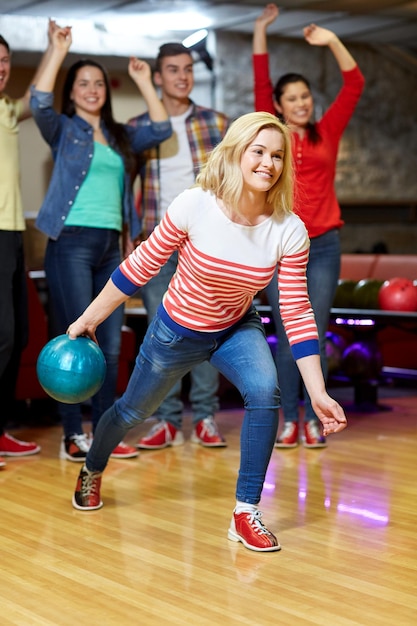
[(79, 328)]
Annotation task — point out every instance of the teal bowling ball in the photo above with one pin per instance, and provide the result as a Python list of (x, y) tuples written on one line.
[(71, 370)]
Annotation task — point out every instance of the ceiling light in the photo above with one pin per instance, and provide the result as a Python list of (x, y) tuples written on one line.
[(197, 42)]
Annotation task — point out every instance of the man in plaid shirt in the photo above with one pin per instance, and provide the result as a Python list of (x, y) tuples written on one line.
[(166, 171)]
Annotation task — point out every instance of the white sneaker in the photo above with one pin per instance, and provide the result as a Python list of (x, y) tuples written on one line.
[(75, 448)]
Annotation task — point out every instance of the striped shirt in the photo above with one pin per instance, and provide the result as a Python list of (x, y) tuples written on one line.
[(222, 266)]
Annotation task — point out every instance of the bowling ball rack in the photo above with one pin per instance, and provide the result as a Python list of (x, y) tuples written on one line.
[(365, 324)]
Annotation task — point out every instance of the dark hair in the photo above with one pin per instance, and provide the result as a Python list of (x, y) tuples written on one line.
[(4, 43), (118, 134), (170, 50), (285, 80)]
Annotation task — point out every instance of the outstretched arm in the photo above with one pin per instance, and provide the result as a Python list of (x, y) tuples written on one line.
[(61, 40), (109, 298), (52, 26), (327, 410), (268, 15), (318, 36), (140, 73)]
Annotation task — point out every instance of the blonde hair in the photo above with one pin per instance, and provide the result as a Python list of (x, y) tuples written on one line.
[(222, 173)]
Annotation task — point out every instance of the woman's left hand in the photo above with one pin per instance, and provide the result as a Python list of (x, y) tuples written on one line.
[(139, 71), (318, 36), (330, 413)]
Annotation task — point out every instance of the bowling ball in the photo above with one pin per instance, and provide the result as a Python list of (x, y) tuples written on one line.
[(343, 295), (365, 294), (398, 294), (362, 361), (335, 346), (71, 370)]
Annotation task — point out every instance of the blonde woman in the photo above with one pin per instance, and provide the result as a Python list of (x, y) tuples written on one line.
[(231, 230)]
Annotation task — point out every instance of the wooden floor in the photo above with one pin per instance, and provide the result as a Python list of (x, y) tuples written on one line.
[(158, 553)]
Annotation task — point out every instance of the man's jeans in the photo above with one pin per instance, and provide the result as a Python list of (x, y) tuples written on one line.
[(204, 378)]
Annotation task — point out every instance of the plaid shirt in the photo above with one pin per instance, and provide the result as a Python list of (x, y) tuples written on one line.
[(205, 129)]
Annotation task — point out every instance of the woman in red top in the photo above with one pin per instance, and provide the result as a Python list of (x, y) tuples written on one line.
[(315, 147)]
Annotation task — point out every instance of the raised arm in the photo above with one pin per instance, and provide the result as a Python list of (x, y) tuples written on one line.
[(262, 85), (140, 73), (61, 40), (318, 36), (52, 26), (268, 15)]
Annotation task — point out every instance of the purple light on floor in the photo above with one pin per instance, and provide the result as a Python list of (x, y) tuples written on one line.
[(350, 321), (265, 320), (375, 517), (269, 483)]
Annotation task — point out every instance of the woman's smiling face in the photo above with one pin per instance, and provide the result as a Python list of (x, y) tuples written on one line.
[(263, 160)]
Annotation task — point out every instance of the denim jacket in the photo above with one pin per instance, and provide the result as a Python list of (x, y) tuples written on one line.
[(72, 143)]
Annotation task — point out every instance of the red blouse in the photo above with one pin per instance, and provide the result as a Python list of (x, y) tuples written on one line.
[(315, 198)]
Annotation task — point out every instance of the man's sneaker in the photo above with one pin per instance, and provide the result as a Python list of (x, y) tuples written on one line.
[(9, 446), (207, 434), (248, 528), (312, 435), (123, 451), (87, 491), (161, 435), (2, 462), (289, 436), (75, 448)]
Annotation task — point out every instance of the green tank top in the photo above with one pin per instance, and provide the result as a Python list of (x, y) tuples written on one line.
[(99, 201)]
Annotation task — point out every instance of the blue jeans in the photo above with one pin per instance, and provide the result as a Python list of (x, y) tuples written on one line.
[(243, 356), (323, 272), (78, 265), (204, 378)]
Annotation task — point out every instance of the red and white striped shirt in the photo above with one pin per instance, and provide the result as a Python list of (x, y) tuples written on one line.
[(222, 266)]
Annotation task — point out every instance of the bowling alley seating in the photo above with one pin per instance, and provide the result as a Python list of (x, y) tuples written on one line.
[(28, 387), (378, 266), (397, 342)]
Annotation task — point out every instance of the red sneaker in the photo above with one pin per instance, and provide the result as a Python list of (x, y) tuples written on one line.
[(87, 491), (2, 462), (123, 451), (9, 446), (289, 436), (248, 528), (312, 435), (207, 434), (161, 435)]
